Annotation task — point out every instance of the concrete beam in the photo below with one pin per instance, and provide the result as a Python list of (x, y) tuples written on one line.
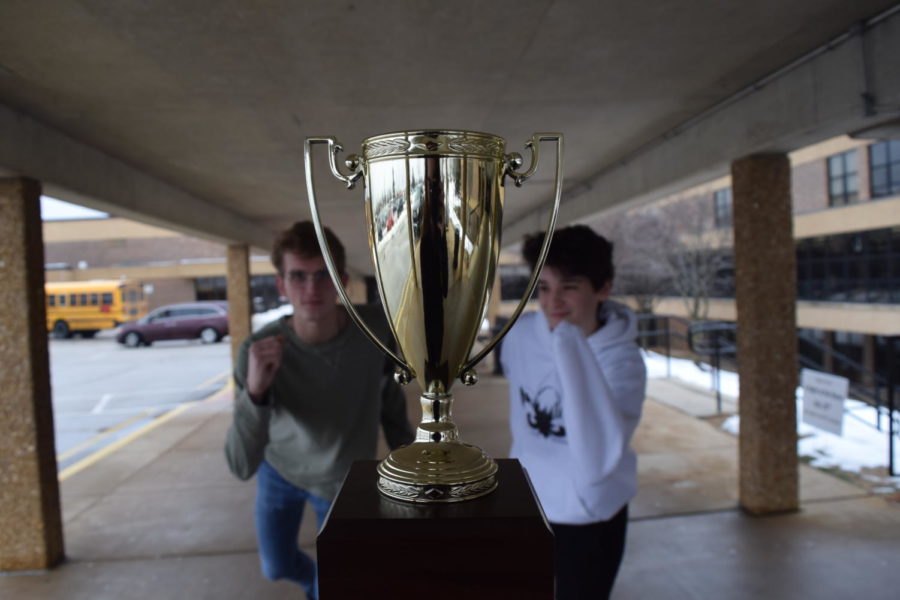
[(812, 100), (94, 230), (855, 317), (876, 214), (76, 172), (174, 270)]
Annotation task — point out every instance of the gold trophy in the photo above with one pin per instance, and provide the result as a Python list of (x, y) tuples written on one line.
[(434, 206)]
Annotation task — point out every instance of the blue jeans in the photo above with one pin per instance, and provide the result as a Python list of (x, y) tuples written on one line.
[(279, 510)]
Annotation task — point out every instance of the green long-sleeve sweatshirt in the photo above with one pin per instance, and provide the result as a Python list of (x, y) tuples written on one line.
[(322, 410)]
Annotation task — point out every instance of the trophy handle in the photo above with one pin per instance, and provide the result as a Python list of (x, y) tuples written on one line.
[(513, 162), (404, 372)]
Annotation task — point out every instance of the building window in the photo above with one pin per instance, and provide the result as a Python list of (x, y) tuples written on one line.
[(514, 280), (263, 291), (850, 267), (722, 207), (884, 168), (210, 288), (843, 179)]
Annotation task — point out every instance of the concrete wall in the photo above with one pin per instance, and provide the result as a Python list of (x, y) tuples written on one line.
[(126, 251), (875, 319), (169, 291)]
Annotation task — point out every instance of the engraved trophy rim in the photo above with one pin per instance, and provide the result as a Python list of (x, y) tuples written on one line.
[(432, 132), (434, 142)]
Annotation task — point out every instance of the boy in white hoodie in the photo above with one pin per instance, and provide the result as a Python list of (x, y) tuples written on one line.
[(577, 383)]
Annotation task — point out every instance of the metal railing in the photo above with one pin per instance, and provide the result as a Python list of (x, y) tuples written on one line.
[(713, 342), (706, 342)]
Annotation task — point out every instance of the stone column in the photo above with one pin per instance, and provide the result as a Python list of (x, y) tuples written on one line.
[(31, 535), (495, 299), (766, 290), (238, 290), (493, 310)]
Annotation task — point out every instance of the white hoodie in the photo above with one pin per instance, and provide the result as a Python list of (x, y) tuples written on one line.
[(575, 402)]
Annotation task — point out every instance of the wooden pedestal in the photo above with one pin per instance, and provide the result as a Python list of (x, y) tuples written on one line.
[(497, 546)]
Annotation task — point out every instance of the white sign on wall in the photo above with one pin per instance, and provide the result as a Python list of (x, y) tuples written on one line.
[(823, 400)]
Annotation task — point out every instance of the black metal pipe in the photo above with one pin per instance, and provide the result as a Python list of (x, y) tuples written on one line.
[(891, 367)]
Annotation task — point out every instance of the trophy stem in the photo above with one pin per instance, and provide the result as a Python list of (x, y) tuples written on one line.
[(437, 467), (437, 419)]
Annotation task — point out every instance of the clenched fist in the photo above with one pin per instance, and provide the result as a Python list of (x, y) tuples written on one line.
[(262, 363)]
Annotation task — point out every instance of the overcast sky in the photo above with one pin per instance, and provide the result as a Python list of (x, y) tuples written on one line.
[(57, 210)]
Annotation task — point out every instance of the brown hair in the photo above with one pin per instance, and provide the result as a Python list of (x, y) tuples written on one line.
[(301, 239), (574, 251)]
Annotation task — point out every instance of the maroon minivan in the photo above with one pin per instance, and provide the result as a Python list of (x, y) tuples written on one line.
[(207, 320)]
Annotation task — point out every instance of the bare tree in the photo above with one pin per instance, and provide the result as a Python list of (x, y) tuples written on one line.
[(669, 250), (642, 240), (699, 256)]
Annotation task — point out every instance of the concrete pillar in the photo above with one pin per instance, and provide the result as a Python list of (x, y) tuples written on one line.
[(765, 274), (31, 535), (492, 361), (238, 291), (493, 308), (356, 290)]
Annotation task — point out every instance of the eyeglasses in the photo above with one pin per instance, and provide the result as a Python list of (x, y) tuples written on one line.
[(300, 277)]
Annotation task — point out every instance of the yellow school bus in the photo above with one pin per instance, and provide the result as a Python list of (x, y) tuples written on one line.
[(86, 307)]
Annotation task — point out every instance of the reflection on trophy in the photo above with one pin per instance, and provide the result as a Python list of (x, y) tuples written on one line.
[(434, 206)]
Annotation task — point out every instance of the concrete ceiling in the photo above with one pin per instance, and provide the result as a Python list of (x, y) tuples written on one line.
[(192, 114)]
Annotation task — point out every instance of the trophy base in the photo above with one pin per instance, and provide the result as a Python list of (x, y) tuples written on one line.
[(437, 472)]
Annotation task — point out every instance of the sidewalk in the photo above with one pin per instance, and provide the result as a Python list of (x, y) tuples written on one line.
[(162, 517)]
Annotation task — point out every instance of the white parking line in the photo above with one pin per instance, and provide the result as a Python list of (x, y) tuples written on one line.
[(104, 400), (96, 456), (120, 396)]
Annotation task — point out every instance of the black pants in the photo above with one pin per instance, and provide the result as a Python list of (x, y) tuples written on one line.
[(588, 557)]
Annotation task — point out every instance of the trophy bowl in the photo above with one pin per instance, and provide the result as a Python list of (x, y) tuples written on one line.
[(434, 208)]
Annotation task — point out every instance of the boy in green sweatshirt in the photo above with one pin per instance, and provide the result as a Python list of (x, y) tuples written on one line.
[(310, 392)]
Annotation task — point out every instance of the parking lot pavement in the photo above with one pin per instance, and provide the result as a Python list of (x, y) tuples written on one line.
[(103, 392)]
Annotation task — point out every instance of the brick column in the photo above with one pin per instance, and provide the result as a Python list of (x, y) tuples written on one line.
[(766, 289), (238, 291), (31, 535)]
